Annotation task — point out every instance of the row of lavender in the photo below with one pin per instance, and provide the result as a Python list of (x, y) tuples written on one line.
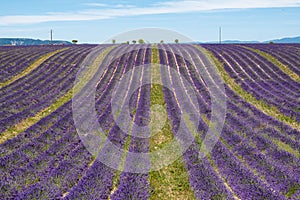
[(130, 186), (204, 180), (261, 78), (15, 59), (288, 54), (53, 163), (40, 146), (246, 156), (38, 90)]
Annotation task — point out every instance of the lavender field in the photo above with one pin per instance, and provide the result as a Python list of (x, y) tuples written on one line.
[(256, 156)]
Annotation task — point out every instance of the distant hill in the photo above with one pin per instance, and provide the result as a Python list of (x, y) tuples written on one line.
[(234, 42), (282, 40), (238, 42), (286, 40), (27, 41)]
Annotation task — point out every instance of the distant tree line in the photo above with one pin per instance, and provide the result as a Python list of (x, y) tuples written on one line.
[(140, 41)]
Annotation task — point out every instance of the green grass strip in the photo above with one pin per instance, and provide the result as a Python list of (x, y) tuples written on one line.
[(117, 177), (259, 104), (276, 62), (170, 182), (286, 147), (202, 147), (32, 67), (26, 123)]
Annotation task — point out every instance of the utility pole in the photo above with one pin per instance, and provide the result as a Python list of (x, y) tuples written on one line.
[(51, 36), (220, 34)]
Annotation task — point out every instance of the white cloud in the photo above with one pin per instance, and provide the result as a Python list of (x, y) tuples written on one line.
[(206, 5), (124, 6), (119, 10), (103, 5), (96, 4)]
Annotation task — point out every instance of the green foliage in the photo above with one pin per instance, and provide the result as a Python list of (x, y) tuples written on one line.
[(141, 41), (74, 41), (292, 190)]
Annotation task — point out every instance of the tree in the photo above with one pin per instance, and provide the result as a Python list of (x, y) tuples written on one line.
[(176, 41), (127, 42), (271, 42), (134, 41), (161, 41), (114, 41), (141, 41), (74, 41)]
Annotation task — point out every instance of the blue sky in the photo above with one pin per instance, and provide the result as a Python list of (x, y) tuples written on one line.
[(95, 21)]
